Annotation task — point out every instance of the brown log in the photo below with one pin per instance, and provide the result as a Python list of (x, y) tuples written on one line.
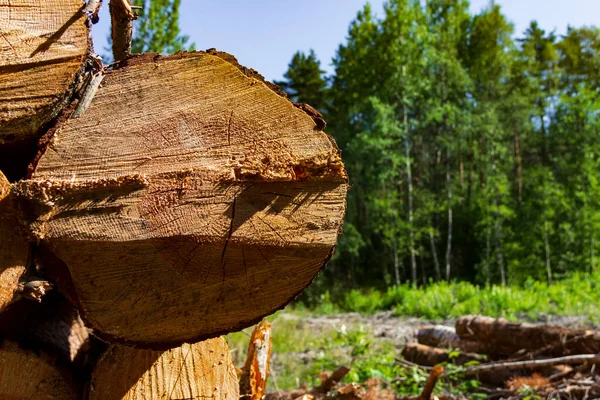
[(189, 200), (508, 338), (429, 356), (43, 48), (445, 337), (27, 374), (14, 249), (192, 371), (255, 373)]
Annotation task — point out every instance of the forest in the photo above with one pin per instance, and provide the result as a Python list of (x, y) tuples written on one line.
[(472, 149)]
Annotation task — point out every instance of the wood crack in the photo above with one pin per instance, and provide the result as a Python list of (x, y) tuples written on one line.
[(230, 229), (229, 129)]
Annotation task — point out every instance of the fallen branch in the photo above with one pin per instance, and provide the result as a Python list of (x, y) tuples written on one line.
[(531, 364)]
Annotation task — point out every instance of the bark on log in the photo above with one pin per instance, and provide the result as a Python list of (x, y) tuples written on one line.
[(429, 356), (122, 28), (43, 48), (25, 374), (189, 200), (192, 371), (14, 249), (510, 337), (444, 337)]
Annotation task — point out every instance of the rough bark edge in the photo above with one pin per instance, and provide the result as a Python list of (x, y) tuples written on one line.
[(58, 271), (46, 138)]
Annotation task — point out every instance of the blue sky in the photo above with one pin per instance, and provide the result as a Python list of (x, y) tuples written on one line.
[(264, 34)]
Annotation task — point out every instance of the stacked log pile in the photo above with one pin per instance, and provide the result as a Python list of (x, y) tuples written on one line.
[(513, 360), (146, 209)]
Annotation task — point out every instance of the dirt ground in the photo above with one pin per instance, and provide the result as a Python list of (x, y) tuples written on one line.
[(402, 330)]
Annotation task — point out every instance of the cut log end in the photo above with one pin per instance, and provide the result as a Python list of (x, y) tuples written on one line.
[(44, 48), (25, 374), (184, 216), (192, 371)]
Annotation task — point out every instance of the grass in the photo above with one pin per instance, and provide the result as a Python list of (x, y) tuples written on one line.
[(577, 295), (302, 350)]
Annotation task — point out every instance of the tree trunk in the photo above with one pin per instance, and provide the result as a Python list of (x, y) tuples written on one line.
[(449, 191), (488, 251), (436, 262), (164, 210), (497, 221), (43, 51), (413, 261), (396, 262), (518, 167), (547, 251), (14, 249), (192, 371)]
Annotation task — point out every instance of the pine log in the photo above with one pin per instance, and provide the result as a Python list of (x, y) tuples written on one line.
[(14, 249), (43, 49), (192, 371), (27, 374), (445, 337), (511, 337), (190, 199)]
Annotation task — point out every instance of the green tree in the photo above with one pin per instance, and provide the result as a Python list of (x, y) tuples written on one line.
[(157, 28), (304, 81)]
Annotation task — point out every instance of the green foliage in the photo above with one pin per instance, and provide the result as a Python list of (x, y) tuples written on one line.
[(471, 152), (157, 28), (304, 81), (574, 295)]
